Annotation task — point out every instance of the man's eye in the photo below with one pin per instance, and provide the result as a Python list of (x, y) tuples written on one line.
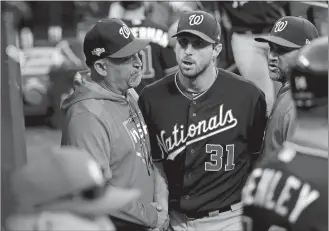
[(197, 43), (126, 59), (182, 42)]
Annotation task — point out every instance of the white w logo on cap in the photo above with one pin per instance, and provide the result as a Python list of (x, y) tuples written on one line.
[(195, 19), (279, 26), (124, 31)]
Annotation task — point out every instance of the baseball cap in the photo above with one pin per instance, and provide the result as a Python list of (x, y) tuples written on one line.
[(309, 75), (111, 38), (199, 23), (292, 32), (51, 177)]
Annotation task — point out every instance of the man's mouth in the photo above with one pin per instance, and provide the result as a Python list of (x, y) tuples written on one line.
[(272, 66), (135, 72), (187, 63)]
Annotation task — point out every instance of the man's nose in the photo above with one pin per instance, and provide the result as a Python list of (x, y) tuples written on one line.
[(272, 55), (137, 61), (189, 49)]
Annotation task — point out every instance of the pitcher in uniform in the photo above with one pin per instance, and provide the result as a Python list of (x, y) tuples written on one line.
[(206, 127)]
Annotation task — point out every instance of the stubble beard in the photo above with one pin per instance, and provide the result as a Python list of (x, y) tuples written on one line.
[(277, 76), (195, 73)]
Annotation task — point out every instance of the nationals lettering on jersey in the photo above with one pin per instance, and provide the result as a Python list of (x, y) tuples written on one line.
[(290, 190), (204, 142), (180, 137)]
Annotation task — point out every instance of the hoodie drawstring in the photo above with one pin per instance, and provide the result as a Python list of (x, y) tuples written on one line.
[(133, 110)]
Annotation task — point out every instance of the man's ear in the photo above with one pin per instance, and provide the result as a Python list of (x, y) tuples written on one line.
[(100, 67), (217, 49)]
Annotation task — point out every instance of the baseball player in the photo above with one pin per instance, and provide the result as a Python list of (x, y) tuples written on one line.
[(157, 57), (288, 35), (206, 126), (289, 191)]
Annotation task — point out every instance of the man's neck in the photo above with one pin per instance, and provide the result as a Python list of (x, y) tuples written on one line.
[(102, 83), (201, 83)]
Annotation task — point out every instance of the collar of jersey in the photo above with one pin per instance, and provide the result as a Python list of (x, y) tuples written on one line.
[(199, 95)]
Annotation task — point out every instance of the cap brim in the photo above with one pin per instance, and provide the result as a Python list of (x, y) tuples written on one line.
[(131, 48), (197, 33), (112, 199), (277, 40)]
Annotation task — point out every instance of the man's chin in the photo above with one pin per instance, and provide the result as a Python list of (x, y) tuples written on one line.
[(136, 81), (275, 77), (189, 73)]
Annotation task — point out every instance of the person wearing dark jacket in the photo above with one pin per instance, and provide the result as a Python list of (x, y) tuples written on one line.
[(288, 35), (247, 20)]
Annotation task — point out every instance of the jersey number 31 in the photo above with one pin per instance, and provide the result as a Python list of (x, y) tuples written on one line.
[(216, 157)]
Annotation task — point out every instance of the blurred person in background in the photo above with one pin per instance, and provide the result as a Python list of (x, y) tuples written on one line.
[(283, 193), (247, 20), (288, 35), (102, 116), (159, 12), (63, 189), (315, 11), (158, 58)]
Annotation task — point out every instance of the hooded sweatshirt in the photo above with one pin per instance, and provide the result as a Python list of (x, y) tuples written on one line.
[(110, 127)]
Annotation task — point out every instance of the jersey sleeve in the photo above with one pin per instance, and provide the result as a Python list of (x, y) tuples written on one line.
[(146, 109), (257, 128), (168, 60), (288, 123)]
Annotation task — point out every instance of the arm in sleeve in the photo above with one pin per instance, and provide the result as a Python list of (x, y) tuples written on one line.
[(161, 185), (145, 107), (258, 125), (288, 123), (86, 131)]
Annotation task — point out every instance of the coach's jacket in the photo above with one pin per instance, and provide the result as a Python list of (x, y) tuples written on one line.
[(110, 127), (281, 122)]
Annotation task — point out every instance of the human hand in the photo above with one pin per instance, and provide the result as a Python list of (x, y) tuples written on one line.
[(163, 218)]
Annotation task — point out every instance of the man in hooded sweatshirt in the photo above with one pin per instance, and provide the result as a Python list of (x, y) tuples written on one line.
[(102, 116)]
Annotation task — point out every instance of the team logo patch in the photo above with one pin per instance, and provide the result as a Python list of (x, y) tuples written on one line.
[(124, 31), (195, 19), (98, 51), (136, 133), (279, 26)]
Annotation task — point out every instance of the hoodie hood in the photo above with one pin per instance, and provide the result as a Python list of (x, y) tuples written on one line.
[(84, 88)]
